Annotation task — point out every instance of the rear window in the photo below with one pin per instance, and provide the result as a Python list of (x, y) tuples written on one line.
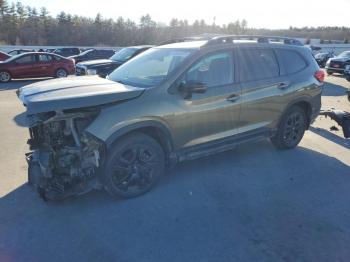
[(257, 64), (291, 61)]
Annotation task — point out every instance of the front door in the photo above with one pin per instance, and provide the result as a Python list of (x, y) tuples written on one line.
[(214, 114), (23, 66)]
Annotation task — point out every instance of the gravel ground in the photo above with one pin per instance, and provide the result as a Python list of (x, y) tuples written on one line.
[(253, 203)]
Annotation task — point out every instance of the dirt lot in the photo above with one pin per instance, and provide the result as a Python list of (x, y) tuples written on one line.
[(250, 204)]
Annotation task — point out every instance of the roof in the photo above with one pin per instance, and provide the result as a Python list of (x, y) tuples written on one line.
[(212, 40), (189, 44), (140, 46)]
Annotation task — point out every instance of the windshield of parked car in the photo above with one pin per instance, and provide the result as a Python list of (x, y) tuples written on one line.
[(14, 57), (86, 52), (321, 55), (345, 54), (150, 68), (124, 54)]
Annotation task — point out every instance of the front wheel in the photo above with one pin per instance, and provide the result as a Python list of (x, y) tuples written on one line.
[(291, 129), (5, 77), (60, 73), (133, 166)]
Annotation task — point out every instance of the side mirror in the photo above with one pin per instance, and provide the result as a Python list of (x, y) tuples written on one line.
[(190, 87)]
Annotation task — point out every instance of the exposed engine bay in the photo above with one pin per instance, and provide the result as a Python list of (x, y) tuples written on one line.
[(64, 159)]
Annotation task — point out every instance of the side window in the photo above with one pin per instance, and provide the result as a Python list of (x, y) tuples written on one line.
[(291, 60), (45, 58), (28, 59), (57, 58), (213, 70), (257, 64)]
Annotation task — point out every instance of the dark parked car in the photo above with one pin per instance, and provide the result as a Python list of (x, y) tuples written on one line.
[(93, 54), (4, 56), (30, 65), (172, 103), (337, 64), (106, 66), (347, 72), (67, 51), (20, 51), (322, 58)]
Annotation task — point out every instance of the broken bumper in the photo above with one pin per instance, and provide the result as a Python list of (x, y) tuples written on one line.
[(341, 117)]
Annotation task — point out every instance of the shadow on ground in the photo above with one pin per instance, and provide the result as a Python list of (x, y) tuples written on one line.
[(344, 142), (250, 204), (330, 89)]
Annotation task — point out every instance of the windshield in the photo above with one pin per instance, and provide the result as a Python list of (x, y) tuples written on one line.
[(150, 68), (13, 58), (345, 54), (320, 55), (85, 52), (124, 54)]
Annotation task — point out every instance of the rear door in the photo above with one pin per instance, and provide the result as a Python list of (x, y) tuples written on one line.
[(262, 88), (44, 65)]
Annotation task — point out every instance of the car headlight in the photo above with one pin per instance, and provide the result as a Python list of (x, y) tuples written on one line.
[(91, 72)]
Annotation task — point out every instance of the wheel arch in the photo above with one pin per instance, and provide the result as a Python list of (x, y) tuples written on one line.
[(155, 129), (305, 104)]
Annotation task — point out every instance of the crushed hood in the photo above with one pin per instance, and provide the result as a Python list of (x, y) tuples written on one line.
[(74, 92)]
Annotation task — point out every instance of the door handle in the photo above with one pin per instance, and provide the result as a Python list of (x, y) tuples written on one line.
[(283, 85), (233, 98)]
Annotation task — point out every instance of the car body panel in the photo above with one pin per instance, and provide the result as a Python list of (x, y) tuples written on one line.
[(193, 122)]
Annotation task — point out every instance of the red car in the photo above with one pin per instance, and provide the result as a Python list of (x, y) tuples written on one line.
[(31, 65), (3, 56)]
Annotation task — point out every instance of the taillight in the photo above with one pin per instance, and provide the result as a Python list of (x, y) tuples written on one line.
[(319, 75)]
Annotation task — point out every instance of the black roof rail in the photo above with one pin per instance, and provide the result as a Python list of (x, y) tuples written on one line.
[(186, 39), (259, 38)]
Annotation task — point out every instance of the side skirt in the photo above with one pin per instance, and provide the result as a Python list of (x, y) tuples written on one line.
[(221, 145)]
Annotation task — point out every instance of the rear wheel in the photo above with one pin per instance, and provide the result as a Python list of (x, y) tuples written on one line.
[(291, 129), (5, 77), (133, 166), (61, 73)]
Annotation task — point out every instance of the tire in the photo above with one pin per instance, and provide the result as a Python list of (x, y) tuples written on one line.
[(329, 73), (133, 166), (60, 73), (5, 77), (291, 129)]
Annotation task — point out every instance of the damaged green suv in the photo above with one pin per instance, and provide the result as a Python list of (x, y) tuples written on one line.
[(172, 103)]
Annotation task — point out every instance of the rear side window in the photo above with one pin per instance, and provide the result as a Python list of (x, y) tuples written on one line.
[(45, 58), (257, 64), (291, 61)]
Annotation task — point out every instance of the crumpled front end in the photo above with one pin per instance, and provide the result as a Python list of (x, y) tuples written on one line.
[(65, 159)]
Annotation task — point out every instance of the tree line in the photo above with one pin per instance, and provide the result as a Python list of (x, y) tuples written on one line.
[(25, 25)]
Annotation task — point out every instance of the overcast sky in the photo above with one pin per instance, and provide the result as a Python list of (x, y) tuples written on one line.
[(261, 14)]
